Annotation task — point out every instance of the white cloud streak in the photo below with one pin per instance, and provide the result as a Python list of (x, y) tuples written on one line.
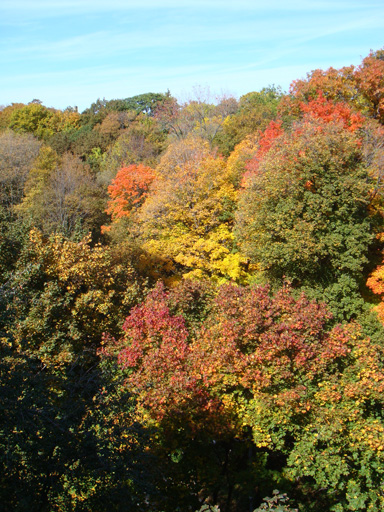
[(255, 32), (73, 51)]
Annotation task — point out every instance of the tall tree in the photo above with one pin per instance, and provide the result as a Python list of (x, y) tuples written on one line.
[(61, 194), (196, 436), (187, 218), (17, 154), (305, 215), (129, 190), (263, 365)]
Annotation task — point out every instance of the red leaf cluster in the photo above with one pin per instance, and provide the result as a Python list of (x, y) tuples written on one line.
[(331, 112), (250, 341), (267, 138)]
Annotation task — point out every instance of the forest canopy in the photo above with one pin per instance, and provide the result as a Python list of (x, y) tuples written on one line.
[(192, 300)]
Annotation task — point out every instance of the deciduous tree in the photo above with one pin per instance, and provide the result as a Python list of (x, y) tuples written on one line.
[(187, 219), (129, 190), (305, 213), (370, 82), (61, 194), (17, 154)]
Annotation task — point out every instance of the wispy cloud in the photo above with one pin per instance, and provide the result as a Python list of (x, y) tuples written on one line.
[(180, 34), (73, 51)]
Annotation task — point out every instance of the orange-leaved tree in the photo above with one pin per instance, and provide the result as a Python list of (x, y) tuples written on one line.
[(129, 190), (369, 77), (376, 283), (318, 108), (332, 111), (305, 214)]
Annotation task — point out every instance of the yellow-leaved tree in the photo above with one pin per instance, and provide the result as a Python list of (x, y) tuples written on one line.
[(65, 294), (186, 221)]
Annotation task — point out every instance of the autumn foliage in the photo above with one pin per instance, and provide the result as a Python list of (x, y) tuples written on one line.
[(376, 283), (281, 368), (333, 112), (128, 190), (222, 335), (265, 142)]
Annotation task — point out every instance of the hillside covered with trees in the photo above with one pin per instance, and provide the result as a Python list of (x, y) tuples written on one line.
[(192, 300)]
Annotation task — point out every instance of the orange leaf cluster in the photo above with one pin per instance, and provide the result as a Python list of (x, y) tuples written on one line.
[(376, 283), (129, 190), (328, 111)]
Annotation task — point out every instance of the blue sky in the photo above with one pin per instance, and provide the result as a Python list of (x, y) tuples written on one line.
[(71, 52)]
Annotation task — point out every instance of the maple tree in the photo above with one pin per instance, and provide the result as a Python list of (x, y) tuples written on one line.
[(156, 354), (335, 84), (269, 363), (306, 390), (129, 190), (360, 87), (318, 108), (332, 112)]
